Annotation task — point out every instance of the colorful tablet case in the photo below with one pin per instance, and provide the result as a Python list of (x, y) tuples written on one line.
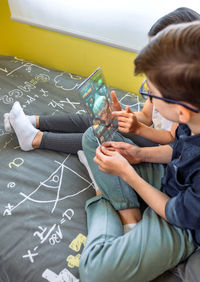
[(98, 103)]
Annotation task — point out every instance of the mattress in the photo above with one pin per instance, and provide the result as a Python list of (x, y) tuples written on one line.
[(43, 226)]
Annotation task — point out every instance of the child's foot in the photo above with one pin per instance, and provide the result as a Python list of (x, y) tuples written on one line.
[(8, 126), (83, 160), (98, 192), (127, 227), (23, 128)]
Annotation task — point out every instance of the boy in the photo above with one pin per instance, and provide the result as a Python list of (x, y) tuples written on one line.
[(168, 231)]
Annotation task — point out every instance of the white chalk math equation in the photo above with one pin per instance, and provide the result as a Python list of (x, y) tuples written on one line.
[(53, 235), (54, 181), (132, 101), (26, 88), (61, 103), (28, 67), (65, 81)]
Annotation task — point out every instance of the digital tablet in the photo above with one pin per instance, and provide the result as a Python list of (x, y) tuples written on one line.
[(98, 103)]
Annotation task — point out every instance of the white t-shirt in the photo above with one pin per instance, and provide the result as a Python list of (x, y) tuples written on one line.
[(159, 122)]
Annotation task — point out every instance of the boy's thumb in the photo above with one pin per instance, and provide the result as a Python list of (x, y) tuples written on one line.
[(128, 110)]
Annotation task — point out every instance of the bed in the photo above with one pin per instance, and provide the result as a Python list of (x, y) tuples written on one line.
[(43, 193), (43, 226)]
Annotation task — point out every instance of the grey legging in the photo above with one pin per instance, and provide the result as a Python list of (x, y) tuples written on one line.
[(64, 133)]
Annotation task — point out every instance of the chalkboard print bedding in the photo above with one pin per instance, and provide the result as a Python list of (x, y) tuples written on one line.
[(42, 193)]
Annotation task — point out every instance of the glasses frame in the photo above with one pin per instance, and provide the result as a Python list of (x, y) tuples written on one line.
[(144, 94)]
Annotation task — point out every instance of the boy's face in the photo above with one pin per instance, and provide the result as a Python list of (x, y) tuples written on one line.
[(167, 110)]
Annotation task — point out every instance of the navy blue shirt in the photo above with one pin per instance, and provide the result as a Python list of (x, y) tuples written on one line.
[(182, 182)]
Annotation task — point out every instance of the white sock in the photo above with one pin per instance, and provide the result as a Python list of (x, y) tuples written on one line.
[(32, 120), (23, 128), (83, 160), (128, 227), (8, 126)]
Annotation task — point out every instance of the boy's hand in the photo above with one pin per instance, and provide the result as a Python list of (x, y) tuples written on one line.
[(130, 152), (111, 161), (116, 103), (127, 121)]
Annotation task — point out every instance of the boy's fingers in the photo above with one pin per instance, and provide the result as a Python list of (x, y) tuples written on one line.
[(120, 113), (98, 156), (108, 144), (115, 101), (114, 144), (111, 144), (106, 152), (113, 96)]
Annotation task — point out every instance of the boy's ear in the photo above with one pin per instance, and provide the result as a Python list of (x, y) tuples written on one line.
[(184, 114)]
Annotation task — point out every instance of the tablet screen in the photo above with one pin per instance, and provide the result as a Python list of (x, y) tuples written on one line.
[(98, 103)]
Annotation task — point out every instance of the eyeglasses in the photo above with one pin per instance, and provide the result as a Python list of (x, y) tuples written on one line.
[(145, 94)]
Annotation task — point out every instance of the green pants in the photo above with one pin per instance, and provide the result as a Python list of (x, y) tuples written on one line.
[(149, 249)]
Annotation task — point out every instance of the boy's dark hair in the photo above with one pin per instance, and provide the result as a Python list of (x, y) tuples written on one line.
[(171, 61), (180, 15)]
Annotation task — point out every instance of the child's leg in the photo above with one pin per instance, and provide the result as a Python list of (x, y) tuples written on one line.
[(111, 185), (72, 123), (66, 123), (30, 138), (149, 249), (124, 200), (129, 217), (69, 143), (61, 133)]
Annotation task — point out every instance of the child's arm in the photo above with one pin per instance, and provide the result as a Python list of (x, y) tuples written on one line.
[(182, 210), (156, 135), (139, 122), (154, 198), (145, 116), (134, 154), (128, 123)]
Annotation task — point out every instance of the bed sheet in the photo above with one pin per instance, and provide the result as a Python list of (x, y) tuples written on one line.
[(43, 224)]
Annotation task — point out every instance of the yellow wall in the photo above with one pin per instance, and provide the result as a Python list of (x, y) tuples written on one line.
[(66, 52)]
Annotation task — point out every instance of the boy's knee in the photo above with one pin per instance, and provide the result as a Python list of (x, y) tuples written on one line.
[(88, 139)]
